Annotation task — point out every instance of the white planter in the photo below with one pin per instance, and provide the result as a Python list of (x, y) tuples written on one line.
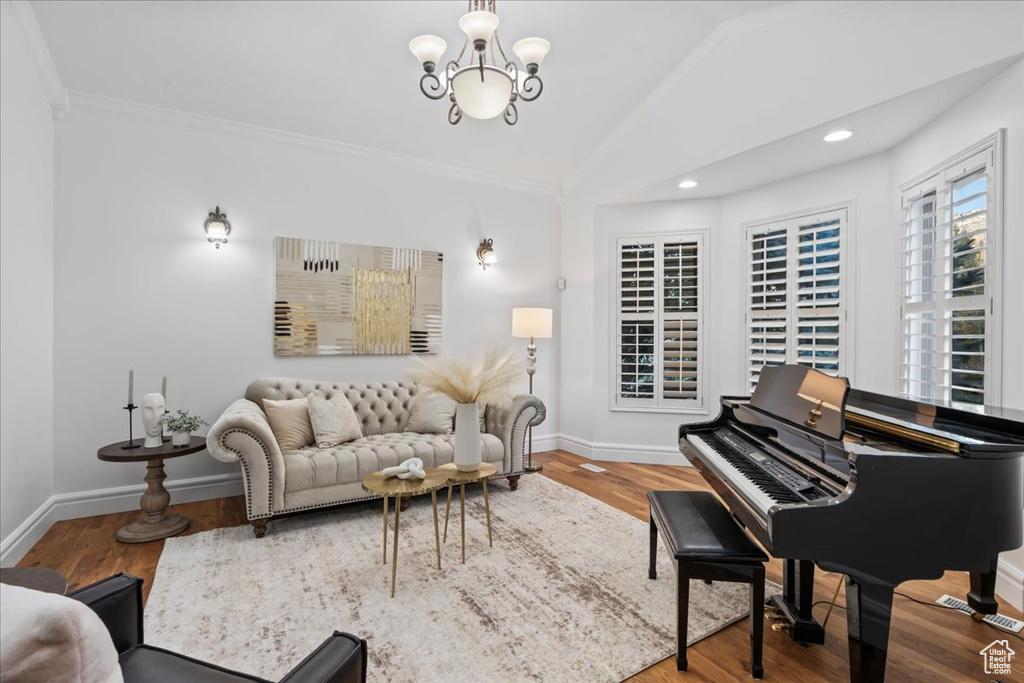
[(467, 437), (181, 438)]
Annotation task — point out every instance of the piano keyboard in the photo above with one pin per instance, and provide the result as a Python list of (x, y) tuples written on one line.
[(759, 488)]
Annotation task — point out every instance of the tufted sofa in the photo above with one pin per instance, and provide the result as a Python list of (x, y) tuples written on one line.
[(279, 482)]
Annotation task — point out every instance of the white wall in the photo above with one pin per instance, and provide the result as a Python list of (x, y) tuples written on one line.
[(26, 283), (136, 283)]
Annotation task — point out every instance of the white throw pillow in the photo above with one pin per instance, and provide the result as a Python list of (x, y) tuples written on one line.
[(51, 638), (431, 413), (289, 420), (333, 422)]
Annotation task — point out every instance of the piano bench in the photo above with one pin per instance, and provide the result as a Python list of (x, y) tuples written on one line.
[(707, 543)]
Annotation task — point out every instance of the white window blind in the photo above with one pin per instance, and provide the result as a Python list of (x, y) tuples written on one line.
[(796, 308), (950, 235), (659, 355)]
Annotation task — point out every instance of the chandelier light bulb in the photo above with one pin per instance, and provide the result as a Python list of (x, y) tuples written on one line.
[(479, 26), (428, 49), (531, 51)]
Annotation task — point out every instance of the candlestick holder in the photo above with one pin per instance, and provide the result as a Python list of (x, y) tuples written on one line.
[(131, 438)]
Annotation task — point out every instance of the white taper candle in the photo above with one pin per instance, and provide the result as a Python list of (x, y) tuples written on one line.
[(131, 386), (163, 389)]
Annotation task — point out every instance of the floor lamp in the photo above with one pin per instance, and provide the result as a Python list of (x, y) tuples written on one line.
[(531, 323)]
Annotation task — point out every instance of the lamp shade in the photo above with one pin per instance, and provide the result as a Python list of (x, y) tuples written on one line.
[(478, 25), (216, 230), (482, 99), (428, 48), (531, 50), (532, 322)]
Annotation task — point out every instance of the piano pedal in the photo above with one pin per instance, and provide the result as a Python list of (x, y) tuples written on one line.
[(782, 626), (772, 612)]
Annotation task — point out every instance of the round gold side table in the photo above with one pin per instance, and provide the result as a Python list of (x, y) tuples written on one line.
[(393, 487), (455, 476)]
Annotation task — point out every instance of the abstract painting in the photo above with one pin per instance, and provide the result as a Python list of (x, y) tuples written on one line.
[(349, 299)]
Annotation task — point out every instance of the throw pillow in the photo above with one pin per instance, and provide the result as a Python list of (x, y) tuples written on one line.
[(431, 413), (289, 420), (333, 422), (48, 637)]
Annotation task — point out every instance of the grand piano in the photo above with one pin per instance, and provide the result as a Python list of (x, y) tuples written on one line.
[(878, 488)]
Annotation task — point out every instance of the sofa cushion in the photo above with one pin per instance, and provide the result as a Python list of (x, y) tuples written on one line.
[(431, 413), (348, 463), (289, 420), (334, 422)]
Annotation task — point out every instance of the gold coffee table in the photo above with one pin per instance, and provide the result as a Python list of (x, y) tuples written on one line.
[(481, 474), (394, 487)]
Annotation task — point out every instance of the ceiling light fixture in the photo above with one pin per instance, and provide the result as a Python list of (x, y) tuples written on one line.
[(482, 90), (837, 135), (687, 184)]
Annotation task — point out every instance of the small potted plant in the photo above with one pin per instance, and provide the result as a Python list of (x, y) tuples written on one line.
[(181, 425)]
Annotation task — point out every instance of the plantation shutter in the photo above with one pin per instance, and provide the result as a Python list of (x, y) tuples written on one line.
[(948, 300), (796, 309), (658, 355)]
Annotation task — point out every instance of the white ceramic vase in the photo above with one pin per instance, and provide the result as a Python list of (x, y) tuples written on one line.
[(181, 438), (467, 437)]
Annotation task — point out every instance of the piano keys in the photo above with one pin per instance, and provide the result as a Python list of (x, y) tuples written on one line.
[(881, 489)]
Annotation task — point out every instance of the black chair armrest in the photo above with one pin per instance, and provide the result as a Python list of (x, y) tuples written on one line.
[(118, 602), (339, 659)]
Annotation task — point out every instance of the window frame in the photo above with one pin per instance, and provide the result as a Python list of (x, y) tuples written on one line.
[(986, 154), (847, 283), (659, 404)]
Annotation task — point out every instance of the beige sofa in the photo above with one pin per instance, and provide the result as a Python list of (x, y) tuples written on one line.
[(279, 482)]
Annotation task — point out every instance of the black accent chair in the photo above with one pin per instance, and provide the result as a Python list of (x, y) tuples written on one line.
[(118, 602)]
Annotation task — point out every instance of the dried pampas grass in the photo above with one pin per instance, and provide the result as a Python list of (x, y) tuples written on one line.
[(483, 380)]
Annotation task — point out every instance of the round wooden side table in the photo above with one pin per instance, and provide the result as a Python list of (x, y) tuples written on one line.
[(456, 476), (36, 578), (155, 522), (394, 487)]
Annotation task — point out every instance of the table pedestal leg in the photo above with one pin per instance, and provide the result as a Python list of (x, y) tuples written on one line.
[(437, 537), (462, 518), (385, 529), (156, 523), (487, 509), (394, 556), (447, 509)]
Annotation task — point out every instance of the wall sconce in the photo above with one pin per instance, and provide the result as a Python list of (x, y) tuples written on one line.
[(485, 253), (217, 228)]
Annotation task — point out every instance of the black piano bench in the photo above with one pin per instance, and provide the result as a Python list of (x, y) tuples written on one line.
[(707, 543)]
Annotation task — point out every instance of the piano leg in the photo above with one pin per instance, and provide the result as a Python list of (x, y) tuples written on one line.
[(983, 590), (797, 600), (868, 614)]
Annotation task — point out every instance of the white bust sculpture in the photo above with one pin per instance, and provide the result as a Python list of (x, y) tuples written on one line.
[(153, 420)]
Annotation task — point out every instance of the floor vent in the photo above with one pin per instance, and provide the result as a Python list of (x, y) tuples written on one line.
[(593, 468), (998, 620)]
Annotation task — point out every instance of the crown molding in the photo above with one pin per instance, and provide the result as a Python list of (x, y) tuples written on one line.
[(725, 32), (28, 28), (87, 102)]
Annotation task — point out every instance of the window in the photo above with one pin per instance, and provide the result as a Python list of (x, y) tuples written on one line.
[(950, 277), (659, 355), (796, 293)]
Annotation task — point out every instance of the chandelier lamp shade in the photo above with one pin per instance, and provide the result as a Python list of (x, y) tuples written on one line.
[(488, 84)]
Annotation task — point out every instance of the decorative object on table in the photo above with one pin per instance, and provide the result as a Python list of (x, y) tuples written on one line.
[(379, 483), (482, 474), (568, 554), (36, 578), (153, 420), (531, 323), (487, 380), (130, 444), (181, 425), (155, 523), (410, 469), (483, 88), (217, 228), (350, 299), (485, 253)]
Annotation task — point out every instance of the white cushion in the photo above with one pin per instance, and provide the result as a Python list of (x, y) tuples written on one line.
[(333, 422), (290, 423), (431, 413), (49, 638)]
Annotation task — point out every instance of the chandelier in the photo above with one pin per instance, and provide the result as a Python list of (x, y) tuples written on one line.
[(481, 89)]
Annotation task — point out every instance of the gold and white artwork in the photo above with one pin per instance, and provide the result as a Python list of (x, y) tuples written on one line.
[(350, 299)]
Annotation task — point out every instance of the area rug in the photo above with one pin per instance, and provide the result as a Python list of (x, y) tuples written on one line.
[(562, 596)]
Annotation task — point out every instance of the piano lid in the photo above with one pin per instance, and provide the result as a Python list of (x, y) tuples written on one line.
[(804, 397)]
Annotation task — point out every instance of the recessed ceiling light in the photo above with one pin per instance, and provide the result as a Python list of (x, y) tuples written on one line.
[(687, 184), (837, 135)]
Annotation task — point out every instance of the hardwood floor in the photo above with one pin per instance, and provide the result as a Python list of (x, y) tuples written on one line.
[(926, 643)]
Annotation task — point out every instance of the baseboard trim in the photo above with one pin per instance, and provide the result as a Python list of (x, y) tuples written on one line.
[(64, 506), (1010, 584), (620, 452)]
